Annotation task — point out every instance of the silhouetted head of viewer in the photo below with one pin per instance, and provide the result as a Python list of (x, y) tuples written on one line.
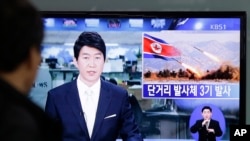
[(21, 35), (89, 56)]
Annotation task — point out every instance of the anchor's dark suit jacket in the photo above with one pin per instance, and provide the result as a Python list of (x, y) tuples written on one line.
[(114, 116), (204, 135)]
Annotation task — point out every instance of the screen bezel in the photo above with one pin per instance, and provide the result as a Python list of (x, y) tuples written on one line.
[(176, 14)]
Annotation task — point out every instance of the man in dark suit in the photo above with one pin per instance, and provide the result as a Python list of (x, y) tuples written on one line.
[(89, 107), (21, 34), (207, 127)]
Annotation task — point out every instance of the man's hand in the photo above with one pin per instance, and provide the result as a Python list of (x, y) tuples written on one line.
[(205, 122)]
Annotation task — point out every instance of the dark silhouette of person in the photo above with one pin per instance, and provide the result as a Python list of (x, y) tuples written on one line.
[(21, 35)]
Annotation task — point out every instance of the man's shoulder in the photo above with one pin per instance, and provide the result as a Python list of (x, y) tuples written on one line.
[(23, 113), (115, 90), (26, 118), (215, 121), (113, 87), (199, 120)]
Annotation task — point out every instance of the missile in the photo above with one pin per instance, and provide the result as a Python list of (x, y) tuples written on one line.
[(198, 49), (177, 61), (211, 56)]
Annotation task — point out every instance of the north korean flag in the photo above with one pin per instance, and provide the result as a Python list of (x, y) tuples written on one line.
[(157, 48)]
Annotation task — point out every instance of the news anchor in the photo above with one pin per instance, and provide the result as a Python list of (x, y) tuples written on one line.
[(88, 107), (207, 127)]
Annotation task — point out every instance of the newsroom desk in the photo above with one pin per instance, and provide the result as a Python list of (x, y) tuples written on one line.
[(175, 125)]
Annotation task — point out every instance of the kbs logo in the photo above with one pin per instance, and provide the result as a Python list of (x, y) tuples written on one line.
[(238, 132)]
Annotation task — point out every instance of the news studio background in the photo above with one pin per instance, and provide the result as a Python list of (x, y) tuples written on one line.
[(173, 67)]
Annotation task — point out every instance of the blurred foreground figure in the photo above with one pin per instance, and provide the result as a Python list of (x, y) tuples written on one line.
[(21, 35)]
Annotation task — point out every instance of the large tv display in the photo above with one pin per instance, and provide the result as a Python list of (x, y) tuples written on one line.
[(173, 64)]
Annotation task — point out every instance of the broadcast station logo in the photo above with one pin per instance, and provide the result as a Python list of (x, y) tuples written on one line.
[(238, 132)]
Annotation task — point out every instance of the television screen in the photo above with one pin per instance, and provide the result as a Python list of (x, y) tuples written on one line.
[(173, 63)]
